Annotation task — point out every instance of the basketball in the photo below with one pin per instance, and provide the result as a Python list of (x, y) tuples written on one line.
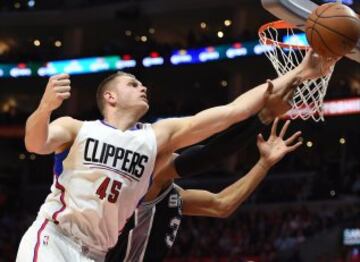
[(333, 30)]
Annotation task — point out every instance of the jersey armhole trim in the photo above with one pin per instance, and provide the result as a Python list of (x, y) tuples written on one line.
[(159, 198)]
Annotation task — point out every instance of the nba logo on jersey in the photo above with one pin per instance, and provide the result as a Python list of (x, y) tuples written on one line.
[(46, 240)]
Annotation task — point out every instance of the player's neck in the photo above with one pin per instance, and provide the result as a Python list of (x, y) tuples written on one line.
[(122, 119)]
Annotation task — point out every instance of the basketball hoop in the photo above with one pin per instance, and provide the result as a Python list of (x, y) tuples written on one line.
[(308, 98)]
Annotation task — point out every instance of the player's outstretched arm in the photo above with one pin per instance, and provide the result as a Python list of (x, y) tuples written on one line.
[(41, 137), (202, 158), (180, 132), (223, 204)]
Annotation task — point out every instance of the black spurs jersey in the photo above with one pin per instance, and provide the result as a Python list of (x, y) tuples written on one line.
[(151, 231)]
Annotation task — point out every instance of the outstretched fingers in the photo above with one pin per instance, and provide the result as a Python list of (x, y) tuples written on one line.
[(284, 129), (293, 138), (293, 147), (274, 127), (260, 138)]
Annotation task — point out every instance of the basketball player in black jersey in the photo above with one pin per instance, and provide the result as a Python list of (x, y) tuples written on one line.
[(151, 231)]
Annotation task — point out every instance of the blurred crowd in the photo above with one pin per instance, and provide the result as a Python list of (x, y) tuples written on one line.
[(256, 233)]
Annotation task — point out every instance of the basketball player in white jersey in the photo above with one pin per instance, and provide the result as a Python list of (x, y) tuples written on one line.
[(103, 168)]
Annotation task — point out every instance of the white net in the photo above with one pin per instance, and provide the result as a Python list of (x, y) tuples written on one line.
[(308, 98)]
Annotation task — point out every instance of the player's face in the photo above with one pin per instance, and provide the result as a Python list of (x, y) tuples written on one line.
[(130, 94)]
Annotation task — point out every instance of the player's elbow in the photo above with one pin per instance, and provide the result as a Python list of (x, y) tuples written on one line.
[(223, 214), (226, 211), (223, 210), (34, 147), (29, 145)]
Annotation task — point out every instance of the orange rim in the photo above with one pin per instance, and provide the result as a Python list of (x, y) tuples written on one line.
[(280, 24)]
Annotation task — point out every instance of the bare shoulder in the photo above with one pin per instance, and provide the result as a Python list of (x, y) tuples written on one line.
[(162, 133), (63, 132), (66, 128), (164, 124), (165, 129), (67, 122)]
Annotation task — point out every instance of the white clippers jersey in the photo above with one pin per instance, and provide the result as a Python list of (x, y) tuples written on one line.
[(99, 182)]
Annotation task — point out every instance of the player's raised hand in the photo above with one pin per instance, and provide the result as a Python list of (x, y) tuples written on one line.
[(315, 66), (277, 101), (57, 90), (276, 147)]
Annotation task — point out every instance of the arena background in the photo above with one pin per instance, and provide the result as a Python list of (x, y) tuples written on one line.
[(303, 209)]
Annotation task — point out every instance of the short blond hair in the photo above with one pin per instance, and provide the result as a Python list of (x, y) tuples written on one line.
[(104, 86)]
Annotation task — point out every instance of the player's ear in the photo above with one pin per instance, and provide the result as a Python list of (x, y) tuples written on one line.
[(110, 97)]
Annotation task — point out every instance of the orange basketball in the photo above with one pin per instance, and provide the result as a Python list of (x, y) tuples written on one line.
[(333, 29)]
